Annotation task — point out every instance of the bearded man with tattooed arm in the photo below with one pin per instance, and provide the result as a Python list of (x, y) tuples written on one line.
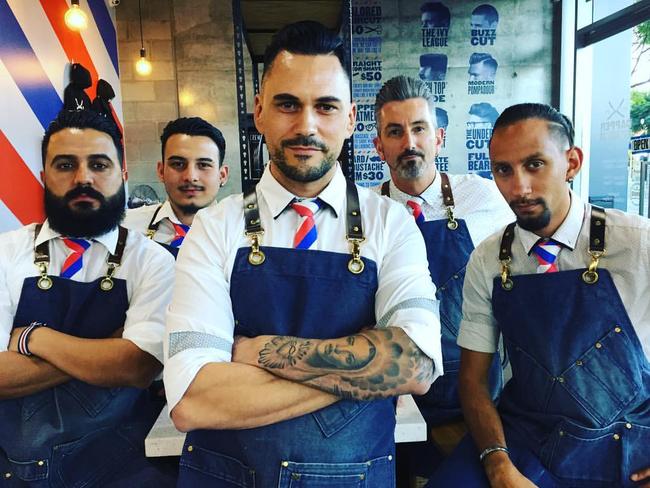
[(302, 308)]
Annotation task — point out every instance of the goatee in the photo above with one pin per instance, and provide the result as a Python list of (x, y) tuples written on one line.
[(302, 174), (83, 220)]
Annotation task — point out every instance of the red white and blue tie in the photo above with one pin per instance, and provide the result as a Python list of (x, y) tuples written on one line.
[(181, 232), (546, 253), (74, 261), (306, 234), (416, 208)]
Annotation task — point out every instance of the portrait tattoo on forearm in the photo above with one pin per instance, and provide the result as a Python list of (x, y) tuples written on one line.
[(372, 364)]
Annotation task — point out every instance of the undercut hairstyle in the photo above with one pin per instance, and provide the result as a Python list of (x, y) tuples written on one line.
[(402, 88), (306, 37), (439, 11), (485, 111), (488, 11), (484, 58), (83, 119), (194, 126), (559, 125)]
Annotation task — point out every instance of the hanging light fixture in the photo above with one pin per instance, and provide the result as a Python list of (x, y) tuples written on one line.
[(75, 18), (142, 66)]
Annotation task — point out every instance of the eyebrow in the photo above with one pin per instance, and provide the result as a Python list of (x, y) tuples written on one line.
[(181, 158), (76, 158), (287, 97)]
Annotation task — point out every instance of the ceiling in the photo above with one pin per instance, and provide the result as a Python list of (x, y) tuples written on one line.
[(262, 18)]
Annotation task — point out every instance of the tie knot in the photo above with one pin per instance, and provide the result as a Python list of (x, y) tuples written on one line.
[(307, 207), (546, 253), (180, 233), (78, 246), (416, 209)]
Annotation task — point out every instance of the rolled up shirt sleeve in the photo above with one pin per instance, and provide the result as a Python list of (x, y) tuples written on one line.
[(200, 322), (145, 318), (478, 328), (406, 297)]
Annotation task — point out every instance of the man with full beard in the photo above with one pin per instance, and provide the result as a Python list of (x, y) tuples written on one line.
[(454, 214), (192, 171), (567, 286), (326, 288), (81, 322)]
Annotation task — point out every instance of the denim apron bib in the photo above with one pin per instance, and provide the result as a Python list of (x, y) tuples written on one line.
[(448, 246), (74, 434), (315, 294), (152, 228), (579, 398)]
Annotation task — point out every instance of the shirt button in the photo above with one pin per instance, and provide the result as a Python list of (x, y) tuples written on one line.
[(616, 437)]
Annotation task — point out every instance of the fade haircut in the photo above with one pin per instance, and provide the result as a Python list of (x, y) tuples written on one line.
[(485, 111), (559, 124), (487, 11), (402, 88), (306, 37), (193, 126), (484, 58), (83, 119)]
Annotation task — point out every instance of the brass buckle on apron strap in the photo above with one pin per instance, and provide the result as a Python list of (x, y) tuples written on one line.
[(448, 199), (596, 249), (596, 244), (254, 230), (42, 261)]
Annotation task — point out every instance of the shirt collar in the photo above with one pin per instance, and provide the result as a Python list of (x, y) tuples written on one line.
[(278, 198), (432, 194), (166, 212), (568, 232), (108, 240)]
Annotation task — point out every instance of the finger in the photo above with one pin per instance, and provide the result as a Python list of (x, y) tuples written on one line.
[(641, 475)]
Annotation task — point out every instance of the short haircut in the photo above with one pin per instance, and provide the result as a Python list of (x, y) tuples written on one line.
[(485, 111), (402, 88), (487, 11), (194, 126), (437, 62), (439, 11), (83, 119), (442, 119), (305, 37), (558, 124), (484, 58)]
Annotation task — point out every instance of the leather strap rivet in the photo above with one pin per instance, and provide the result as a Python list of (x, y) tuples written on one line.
[(617, 329), (616, 437), (628, 425)]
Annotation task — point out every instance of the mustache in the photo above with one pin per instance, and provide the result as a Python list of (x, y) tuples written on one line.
[(83, 191), (191, 187), (526, 201), (306, 141), (410, 152)]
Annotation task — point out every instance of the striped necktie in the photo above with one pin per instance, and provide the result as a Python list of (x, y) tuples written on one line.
[(181, 232), (416, 208), (306, 234), (74, 261), (546, 253)]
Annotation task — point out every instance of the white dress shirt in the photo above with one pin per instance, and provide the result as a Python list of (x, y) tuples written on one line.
[(201, 309), (138, 219), (476, 200), (627, 258), (147, 268)]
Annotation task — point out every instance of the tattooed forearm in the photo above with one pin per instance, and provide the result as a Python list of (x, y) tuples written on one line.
[(371, 364)]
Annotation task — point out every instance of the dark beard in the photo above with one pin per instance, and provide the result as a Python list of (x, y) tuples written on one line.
[(533, 223), (304, 175), (189, 209), (84, 221)]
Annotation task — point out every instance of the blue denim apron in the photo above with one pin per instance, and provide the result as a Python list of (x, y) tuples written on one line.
[(449, 246), (311, 294), (74, 434), (576, 412), (152, 228)]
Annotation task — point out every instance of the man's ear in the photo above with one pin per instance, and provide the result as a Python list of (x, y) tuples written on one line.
[(574, 158), (379, 147), (160, 171)]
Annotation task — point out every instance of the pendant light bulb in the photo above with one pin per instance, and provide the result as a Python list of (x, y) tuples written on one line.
[(75, 18), (143, 66)]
